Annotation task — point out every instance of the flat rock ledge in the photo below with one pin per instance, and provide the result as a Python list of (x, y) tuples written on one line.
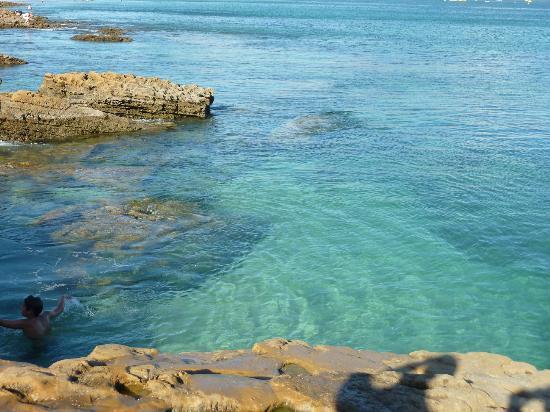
[(275, 375), (6, 60), (73, 106)]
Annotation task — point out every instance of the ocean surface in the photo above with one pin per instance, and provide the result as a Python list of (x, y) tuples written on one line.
[(374, 174)]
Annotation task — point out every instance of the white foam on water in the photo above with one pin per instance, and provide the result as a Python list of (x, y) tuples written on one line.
[(54, 286), (3, 143), (72, 303)]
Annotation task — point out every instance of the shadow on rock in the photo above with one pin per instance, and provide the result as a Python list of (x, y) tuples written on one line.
[(535, 400), (401, 389)]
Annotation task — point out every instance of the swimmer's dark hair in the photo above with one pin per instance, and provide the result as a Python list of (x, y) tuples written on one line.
[(34, 304)]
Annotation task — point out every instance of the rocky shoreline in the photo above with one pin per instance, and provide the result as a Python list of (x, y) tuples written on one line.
[(12, 20), (25, 19), (74, 106), (276, 375)]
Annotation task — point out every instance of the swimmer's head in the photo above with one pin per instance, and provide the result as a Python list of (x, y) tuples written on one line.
[(32, 306)]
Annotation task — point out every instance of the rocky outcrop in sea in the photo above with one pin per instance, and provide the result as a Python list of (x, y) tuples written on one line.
[(6, 60), (276, 375), (129, 95), (105, 35), (73, 106)]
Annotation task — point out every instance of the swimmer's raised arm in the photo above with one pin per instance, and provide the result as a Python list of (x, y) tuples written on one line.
[(58, 309), (14, 324)]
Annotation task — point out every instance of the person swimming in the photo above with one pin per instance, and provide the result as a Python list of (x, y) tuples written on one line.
[(37, 322)]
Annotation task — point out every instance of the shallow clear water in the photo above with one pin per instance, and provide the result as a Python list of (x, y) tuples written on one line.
[(375, 174)]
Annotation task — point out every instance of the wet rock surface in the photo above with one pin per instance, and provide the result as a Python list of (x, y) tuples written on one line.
[(115, 226), (78, 105), (105, 35), (276, 375)]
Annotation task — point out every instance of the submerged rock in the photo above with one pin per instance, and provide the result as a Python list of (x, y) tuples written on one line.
[(121, 179), (319, 124), (78, 105), (10, 61), (106, 34), (154, 209), (322, 378), (116, 226), (44, 163), (106, 226), (129, 95)]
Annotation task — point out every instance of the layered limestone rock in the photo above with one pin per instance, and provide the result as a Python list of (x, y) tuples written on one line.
[(12, 20), (10, 61), (32, 117), (129, 95), (78, 105), (276, 375)]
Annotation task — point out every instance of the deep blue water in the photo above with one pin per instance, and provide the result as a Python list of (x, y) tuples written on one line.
[(375, 174)]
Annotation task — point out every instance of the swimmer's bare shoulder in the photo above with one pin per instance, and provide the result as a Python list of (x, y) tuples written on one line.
[(35, 326)]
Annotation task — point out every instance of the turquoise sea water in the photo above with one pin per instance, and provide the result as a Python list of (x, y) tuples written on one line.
[(375, 174)]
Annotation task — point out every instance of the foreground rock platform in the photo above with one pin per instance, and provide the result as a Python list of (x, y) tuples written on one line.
[(275, 375), (73, 106)]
